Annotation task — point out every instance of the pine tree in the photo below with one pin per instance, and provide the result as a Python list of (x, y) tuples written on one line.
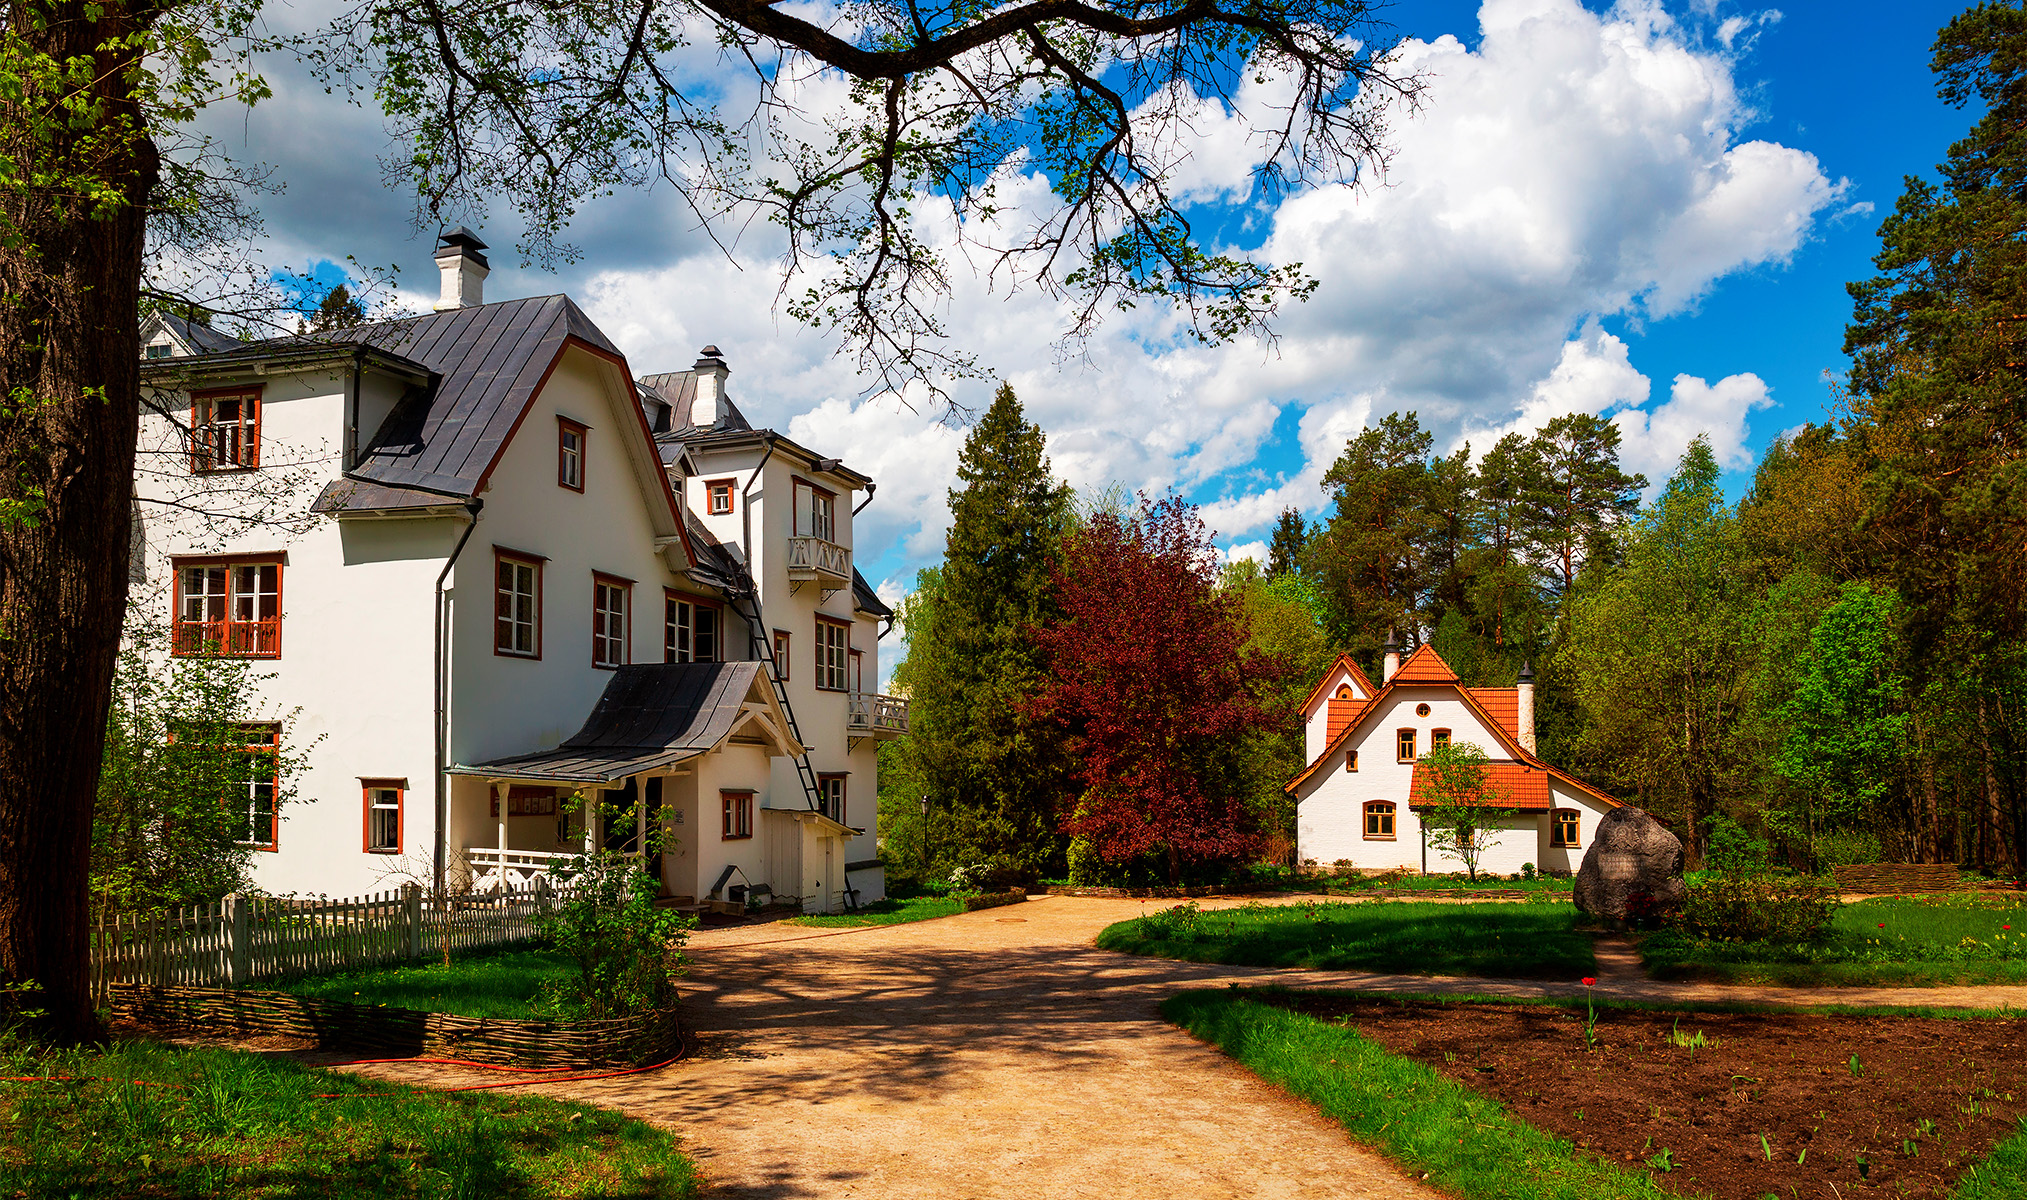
[(1369, 556), (1576, 496), (974, 664), (1291, 538)]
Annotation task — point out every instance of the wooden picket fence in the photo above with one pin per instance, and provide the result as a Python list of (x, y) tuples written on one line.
[(242, 939)]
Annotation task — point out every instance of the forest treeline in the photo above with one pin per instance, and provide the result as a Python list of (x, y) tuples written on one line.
[(1837, 661)]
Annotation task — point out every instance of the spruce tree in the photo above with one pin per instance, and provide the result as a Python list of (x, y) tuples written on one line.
[(1291, 538), (974, 664)]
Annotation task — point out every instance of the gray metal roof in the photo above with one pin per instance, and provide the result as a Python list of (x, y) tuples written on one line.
[(202, 339), (651, 715), (678, 390), (362, 496), (865, 599)]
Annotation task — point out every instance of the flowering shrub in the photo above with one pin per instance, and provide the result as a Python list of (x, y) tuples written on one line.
[(1759, 908)]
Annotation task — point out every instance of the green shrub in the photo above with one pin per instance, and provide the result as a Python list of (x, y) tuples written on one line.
[(1758, 908), (628, 952), (1087, 866), (1734, 850), (1843, 847)]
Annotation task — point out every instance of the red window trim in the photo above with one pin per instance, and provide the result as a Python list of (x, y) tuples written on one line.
[(537, 561), (844, 793), (625, 585), (177, 563), (366, 787), (727, 798), (1365, 813), (731, 487), (821, 621), (784, 645), (795, 513), (718, 651), (813, 486), (583, 432), (254, 392)]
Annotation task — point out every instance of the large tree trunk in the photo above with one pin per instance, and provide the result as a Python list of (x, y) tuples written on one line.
[(69, 288)]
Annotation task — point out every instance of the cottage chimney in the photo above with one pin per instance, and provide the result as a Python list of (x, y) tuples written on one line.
[(1392, 662), (1524, 716), (709, 404), (464, 269)]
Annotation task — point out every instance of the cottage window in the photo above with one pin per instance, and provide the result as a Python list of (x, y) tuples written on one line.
[(570, 441), (1438, 738), (383, 814), (611, 631), (1351, 760), (1404, 745), (815, 511), (781, 654), (228, 607), (160, 350), (517, 605), (251, 803), (833, 646), (830, 797), (718, 497), (224, 431), (737, 809), (1379, 821), (1565, 828), (690, 630)]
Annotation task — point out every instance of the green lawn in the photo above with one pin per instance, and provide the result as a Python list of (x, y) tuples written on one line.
[(498, 984), (1450, 883), (887, 912), (1509, 941), (162, 1121), (1918, 941)]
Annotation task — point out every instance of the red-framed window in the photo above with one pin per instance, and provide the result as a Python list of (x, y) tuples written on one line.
[(611, 620), (782, 643), (736, 808), (225, 430), (384, 804), (1404, 745), (830, 797), (571, 439), (692, 629), (833, 650), (718, 496), (815, 511), (1379, 820), (252, 803), (517, 603), (1566, 828), (228, 606)]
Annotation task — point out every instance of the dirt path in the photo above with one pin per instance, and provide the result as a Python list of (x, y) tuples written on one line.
[(1000, 1054)]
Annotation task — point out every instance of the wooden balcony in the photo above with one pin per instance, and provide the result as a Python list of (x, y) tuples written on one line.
[(813, 559), (230, 639), (882, 717)]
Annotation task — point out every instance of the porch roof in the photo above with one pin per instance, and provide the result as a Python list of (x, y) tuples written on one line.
[(651, 715)]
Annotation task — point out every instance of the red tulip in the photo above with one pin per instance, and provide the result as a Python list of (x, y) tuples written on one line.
[(1589, 980)]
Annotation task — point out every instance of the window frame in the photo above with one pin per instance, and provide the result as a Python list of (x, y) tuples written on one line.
[(671, 598), (535, 563), (565, 427), (251, 396), (1438, 738), (1408, 740), (784, 652), (817, 492), (1351, 761), (601, 584), (272, 747), (838, 641), (711, 492), (735, 814), (824, 799), (370, 785), (229, 599), (1387, 812), (1557, 836)]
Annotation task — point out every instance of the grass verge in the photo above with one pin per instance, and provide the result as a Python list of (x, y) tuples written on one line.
[(499, 984), (1460, 1142), (1510, 941), (886, 912), (1900, 941), (190, 1122)]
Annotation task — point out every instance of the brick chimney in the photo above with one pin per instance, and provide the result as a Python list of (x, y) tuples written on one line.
[(464, 269), (1524, 717), (709, 404)]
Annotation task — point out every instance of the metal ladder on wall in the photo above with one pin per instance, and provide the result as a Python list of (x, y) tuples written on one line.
[(746, 602)]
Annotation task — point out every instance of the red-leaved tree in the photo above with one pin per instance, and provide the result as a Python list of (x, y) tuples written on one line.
[(1150, 676)]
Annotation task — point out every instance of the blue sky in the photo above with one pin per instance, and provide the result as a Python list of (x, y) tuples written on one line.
[(1646, 211)]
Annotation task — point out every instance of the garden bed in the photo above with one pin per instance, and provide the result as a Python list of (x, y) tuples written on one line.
[(1781, 1103), (502, 983)]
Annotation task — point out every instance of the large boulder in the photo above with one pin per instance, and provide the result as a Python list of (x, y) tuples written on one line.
[(1631, 855)]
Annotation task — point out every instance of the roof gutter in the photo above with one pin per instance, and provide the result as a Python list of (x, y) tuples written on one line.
[(442, 707)]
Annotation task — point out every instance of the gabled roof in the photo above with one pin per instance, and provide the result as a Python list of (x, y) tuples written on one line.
[(651, 715), (678, 391), (1503, 703), (1349, 664), (186, 335), (1425, 666), (1518, 785)]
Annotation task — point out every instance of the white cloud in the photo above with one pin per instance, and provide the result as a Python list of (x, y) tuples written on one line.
[(1257, 551)]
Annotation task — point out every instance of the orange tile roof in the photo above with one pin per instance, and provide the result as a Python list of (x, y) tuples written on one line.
[(1515, 784), (1502, 704), (1424, 666), (1351, 666), (1342, 713)]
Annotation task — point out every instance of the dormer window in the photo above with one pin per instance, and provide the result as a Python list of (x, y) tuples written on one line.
[(161, 350), (224, 431), (570, 440), (815, 511), (718, 497)]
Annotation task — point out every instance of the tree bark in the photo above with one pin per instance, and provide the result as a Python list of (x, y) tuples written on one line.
[(69, 343)]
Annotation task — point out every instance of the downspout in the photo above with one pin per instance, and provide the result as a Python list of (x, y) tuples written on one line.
[(870, 489), (352, 409), (442, 685)]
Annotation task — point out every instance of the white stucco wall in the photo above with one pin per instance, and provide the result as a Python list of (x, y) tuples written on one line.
[(1316, 722)]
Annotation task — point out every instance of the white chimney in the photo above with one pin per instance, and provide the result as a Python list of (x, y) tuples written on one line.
[(711, 372), (1392, 662), (464, 269), (1524, 717)]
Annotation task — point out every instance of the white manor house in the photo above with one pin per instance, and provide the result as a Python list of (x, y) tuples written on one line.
[(523, 586)]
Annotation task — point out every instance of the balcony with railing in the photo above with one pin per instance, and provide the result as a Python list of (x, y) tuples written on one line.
[(819, 560), (871, 715), (232, 639), (494, 868)]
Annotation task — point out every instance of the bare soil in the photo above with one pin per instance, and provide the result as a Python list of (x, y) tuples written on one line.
[(1926, 1097)]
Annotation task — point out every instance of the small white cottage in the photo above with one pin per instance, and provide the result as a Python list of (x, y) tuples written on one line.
[(1357, 801)]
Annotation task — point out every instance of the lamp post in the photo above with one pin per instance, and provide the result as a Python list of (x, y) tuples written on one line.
[(925, 832)]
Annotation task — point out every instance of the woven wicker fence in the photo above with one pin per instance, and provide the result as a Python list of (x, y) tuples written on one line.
[(1904, 879), (395, 1032)]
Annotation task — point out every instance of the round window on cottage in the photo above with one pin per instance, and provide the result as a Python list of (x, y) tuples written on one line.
[(1421, 710)]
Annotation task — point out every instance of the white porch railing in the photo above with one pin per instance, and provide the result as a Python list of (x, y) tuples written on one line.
[(494, 868), (876, 715), (816, 558)]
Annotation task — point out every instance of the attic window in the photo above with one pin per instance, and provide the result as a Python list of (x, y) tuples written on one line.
[(570, 441), (224, 431), (1421, 710), (1351, 760), (161, 350), (718, 497)]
